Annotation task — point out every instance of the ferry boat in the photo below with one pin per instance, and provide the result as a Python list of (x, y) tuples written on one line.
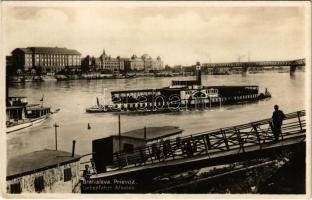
[(182, 95), (21, 115)]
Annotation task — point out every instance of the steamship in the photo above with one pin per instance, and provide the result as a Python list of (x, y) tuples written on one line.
[(182, 95)]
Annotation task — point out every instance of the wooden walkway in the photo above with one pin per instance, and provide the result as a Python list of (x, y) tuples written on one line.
[(212, 147)]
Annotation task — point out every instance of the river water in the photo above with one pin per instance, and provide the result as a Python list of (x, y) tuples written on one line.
[(73, 97)]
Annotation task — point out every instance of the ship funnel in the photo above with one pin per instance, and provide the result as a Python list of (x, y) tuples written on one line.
[(198, 74)]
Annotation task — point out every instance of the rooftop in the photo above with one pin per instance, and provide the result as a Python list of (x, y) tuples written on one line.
[(55, 50), (154, 133), (48, 50), (25, 50), (38, 108), (37, 161), (16, 97), (138, 90), (14, 107), (230, 86)]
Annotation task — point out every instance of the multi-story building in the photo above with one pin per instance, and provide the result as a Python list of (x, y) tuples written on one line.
[(111, 64), (148, 62), (134, 64), (144, 63), (45, 59), (158, 64), (107, 64)]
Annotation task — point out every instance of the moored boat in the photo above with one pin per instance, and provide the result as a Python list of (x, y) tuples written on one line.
[(21, 115), (98, 107), (11, 127)]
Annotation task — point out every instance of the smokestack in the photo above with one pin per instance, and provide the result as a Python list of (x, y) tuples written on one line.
[(73, 150), (198, 74), (144, 132)]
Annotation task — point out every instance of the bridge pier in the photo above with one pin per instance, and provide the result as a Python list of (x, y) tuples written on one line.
[(244, 71), (292, 69)]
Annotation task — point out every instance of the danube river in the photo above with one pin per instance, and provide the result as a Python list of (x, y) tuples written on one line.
[(73, 97)]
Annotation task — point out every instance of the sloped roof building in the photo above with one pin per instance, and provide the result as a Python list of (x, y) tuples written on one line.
[(46, 59), (44, 171)]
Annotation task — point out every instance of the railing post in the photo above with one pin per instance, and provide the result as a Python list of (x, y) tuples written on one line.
[(119, 160), (254, 126), (225, 139), (298, 114), (150, 153), (126, 157), (205, 143), (240, 141), (272, 128), (208, 141), (142, 156), (194, 146), (170, 148)]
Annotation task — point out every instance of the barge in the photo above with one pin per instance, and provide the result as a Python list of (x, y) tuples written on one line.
[(182, 95)]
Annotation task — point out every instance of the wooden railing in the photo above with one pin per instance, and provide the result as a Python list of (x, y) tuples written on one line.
[(219, 140)]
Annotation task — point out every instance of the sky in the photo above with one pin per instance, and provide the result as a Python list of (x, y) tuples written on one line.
[(179, 34)]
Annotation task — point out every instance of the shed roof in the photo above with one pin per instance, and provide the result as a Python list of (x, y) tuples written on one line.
[(154, 133), (37, 161)]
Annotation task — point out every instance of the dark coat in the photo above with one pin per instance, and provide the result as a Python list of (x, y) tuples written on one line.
[(278, 117)]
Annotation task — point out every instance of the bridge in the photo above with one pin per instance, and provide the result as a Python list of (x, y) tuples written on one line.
[(293, 64), (221, 146)]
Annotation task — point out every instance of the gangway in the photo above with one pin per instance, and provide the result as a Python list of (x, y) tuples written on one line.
[(224, 145)]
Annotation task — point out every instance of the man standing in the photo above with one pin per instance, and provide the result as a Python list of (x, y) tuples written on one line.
[(86, 172), (277, 117)]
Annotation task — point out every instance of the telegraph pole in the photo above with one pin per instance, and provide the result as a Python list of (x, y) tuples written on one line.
[(55, 130)]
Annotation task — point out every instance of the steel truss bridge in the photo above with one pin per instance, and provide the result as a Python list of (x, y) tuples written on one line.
[(293, 64)]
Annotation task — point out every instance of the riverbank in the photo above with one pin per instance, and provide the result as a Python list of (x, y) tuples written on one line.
[(18, 79)]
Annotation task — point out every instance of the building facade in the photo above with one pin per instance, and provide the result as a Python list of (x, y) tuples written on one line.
[(144, 63), (134, 64), (109, 64), (45, 59), (158, 64), (45, 171)]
